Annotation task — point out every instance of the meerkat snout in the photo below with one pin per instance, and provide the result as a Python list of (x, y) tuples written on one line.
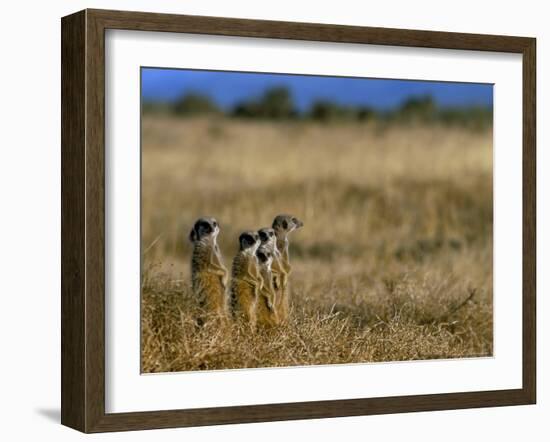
[(297, 223)]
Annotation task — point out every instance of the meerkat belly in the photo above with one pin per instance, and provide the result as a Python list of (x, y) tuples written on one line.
[(210, 290), (282, 304), (266, 314), (277, 280), (277, 287), (243, 294)]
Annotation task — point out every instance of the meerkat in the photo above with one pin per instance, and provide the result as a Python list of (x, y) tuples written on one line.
[(283, 225), (269, 241), (246, 280), (266, 315), (208, 273)]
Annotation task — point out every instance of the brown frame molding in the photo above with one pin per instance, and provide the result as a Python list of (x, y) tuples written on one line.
[(83, 216)]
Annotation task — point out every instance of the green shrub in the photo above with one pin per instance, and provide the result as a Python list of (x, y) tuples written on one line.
[(276, 103), (194, 103)]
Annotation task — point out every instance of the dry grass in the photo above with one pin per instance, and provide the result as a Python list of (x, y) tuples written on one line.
[(394, 261)]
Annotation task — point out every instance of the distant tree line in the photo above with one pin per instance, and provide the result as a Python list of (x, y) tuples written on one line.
[(277, 104)]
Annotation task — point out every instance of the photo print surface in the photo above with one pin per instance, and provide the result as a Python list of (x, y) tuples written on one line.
[(294, 220)]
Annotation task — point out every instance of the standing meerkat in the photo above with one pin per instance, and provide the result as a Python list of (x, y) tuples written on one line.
[(269, 241), (246, 280), (283, 225), (266, 314), (208, 273)]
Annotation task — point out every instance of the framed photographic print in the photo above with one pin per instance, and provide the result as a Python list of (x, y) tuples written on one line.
[(267, 220)]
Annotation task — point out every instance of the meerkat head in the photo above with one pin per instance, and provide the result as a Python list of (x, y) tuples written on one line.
[(249, 242), (265, 257), (205, 228), (268, 238), (284, 224)]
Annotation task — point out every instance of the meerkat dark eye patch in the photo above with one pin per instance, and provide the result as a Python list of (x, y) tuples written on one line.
[(246, 240), (285, 224), (204, 228), (261, 256), (263, 236)]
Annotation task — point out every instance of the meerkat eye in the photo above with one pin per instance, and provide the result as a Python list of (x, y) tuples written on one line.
[(204, 227), (263, 236), (285, 224), (271, 234), (215, 224), (246, 240)]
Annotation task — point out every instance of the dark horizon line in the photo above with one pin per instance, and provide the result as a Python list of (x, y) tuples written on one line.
[(379, 109)]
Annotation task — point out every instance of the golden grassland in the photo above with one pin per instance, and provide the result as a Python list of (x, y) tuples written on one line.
[(394, 261)]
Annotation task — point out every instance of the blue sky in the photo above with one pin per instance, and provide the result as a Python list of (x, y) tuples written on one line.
[(228, 88)]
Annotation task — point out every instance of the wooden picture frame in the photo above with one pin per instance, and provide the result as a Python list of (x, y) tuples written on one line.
[(83, 220)]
